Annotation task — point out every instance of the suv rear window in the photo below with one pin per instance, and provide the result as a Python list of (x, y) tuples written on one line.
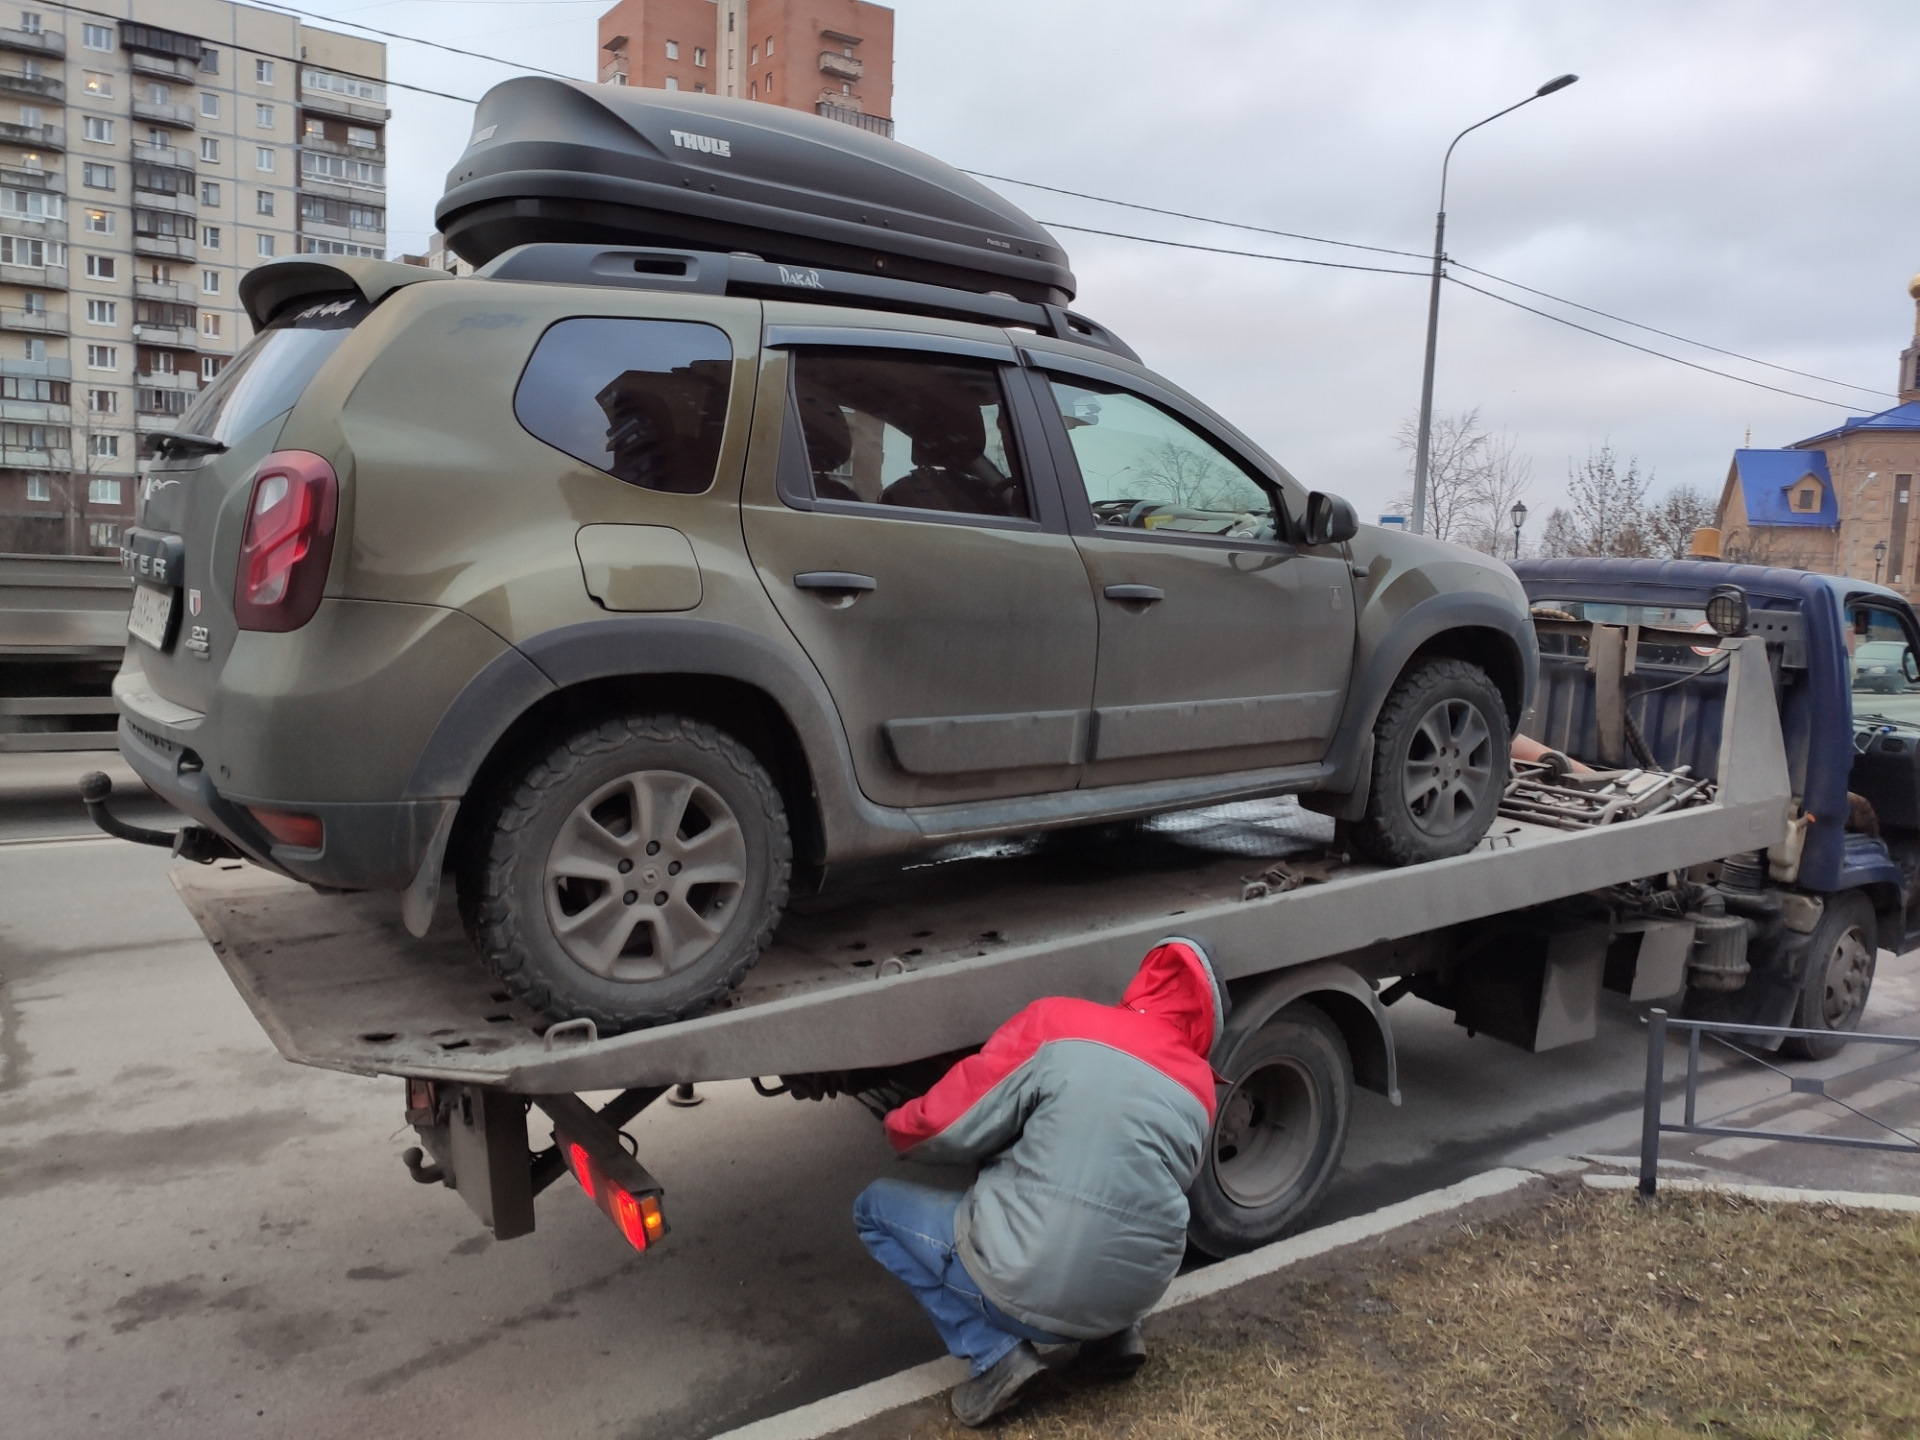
[(643, 400), (266, 378)]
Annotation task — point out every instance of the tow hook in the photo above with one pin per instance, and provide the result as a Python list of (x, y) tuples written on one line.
[(189, 842)]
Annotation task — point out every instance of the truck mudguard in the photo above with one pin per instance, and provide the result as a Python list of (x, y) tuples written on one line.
[(1348, 1000)]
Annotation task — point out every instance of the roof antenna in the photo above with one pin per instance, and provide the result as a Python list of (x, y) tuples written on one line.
[(1748, 445)]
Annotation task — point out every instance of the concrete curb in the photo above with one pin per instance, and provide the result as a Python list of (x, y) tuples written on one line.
[(850, 1407), (1777, 1194)]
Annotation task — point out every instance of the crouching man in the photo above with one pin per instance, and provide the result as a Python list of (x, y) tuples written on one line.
[(1089, 1123)]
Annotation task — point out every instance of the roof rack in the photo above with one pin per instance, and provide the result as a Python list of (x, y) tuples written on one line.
[(700, 272)]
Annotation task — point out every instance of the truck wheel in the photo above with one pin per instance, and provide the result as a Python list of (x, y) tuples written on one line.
[(1439, 765), (1278, 1135), (1840, 960), (632, 874)]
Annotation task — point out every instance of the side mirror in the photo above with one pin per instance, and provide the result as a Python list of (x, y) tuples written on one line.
[(1910, 666), (1330, 520)]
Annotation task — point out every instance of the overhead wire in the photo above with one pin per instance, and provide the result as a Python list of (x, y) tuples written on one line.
[(1220, 250)]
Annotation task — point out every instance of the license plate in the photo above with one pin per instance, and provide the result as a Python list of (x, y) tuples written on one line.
[(152, 617)]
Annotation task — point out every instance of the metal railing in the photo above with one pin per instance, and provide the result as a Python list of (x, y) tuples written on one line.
[(859, 119), (1652, 1126)]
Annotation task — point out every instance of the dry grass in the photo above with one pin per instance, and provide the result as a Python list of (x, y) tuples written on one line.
[(1591, 1316)]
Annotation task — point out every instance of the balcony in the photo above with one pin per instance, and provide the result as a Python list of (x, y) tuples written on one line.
[(183, 202), (39, 369), (859, 119), (841, 67), (164, 379), (34, 42), (34, 322), (36, 412), (161, 112), (165, 247), (33, 137), (145, 289), (39, 87), (178, 337), (22, 459), (322, 102), (170, 67), (37, 277), (50, 230), (53, 184), (320, 145)]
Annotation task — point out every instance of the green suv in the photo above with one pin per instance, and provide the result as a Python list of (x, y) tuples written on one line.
[(631, 587)]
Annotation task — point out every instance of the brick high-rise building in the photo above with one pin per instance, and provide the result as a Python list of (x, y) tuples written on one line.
[(833, 57), (151, 152)]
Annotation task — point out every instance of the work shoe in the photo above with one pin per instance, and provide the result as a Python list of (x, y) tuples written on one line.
[(1113, 1357), (980, 1399)]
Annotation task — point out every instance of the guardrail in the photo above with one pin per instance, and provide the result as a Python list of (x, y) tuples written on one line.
[(1652, 1126)]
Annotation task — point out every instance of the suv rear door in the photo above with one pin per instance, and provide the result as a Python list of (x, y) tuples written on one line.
[(917, 549), (1224, 646)]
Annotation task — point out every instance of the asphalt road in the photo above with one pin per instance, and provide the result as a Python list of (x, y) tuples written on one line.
[(204, 1240)]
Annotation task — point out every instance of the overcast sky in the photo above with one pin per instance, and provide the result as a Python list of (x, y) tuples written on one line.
[(1738, 173)]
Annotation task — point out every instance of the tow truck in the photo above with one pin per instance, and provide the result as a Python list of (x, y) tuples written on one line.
[(1735, 844)]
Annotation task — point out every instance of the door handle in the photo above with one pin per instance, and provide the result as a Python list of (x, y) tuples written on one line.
[(1138, 594), (842, 581)]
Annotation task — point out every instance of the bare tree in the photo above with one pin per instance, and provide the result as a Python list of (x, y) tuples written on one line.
[(1473, 478), (1609, 504), (1556, 536), (1187, 476), (1670, 522)]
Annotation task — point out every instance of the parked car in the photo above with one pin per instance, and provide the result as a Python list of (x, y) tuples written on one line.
[(632, 582)]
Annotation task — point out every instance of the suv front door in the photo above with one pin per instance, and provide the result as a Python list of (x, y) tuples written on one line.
[(1223, 645), (920, 557)]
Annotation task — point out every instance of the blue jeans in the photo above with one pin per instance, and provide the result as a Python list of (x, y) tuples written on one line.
[(909, 1229)]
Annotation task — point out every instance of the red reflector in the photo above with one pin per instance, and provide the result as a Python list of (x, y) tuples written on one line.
[(287, 543), (627, 1215), (304, 831), (582, 1169)]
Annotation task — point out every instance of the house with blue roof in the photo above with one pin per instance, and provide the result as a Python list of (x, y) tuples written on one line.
[(1839, 502)]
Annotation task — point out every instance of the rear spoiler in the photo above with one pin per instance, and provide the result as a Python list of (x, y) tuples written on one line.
[(271, 288)]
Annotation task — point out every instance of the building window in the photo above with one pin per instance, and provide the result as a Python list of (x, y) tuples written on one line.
[(97, 129), (96, 37), (350, 86), (210, 368), (100, 177), (262, 157), (98, 85), (210, 150), (1806, 498), (103, 536), (769, 82), (34, 254), (159, 94), (30, 205), (32, 302), (103, 312), (263, 203), (103, 402), (210, 324), (98, 222), (263, 71), (209, 192), (104, 447), (363, 138), (753, 55), (263, 246), (30, 21), (209, 282), (209, 106), (34, 348), (38, 488), (313, 245), (672, 83), (753, 91), (673, 49), (36, 437), (700, 57), (103, 489), (210, 237), (699, 87), (263, 116), (769, 47), (100, 267), (103, 357), (210, 62)]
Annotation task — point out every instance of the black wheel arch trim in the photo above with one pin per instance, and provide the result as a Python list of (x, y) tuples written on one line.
[(1432, 618), (1343, 996)]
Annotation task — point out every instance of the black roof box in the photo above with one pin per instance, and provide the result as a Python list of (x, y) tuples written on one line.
[(564, 161)]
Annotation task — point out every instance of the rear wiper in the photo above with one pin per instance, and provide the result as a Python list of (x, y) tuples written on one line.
[(183, 442)]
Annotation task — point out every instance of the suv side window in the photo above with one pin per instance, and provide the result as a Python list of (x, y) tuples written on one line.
[(922, 432), (643, 400), (1145, 469)]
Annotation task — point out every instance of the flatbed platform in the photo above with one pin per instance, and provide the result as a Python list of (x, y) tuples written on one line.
[(897, 962)]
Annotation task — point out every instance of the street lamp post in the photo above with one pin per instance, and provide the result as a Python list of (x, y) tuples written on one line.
[(1879, 558), (1423, 441), (1519, 513)]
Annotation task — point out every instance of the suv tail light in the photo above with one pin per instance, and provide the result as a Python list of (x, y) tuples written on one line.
[(287, 543)]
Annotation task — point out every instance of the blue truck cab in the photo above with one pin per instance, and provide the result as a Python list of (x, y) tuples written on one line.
[(1847, 678)]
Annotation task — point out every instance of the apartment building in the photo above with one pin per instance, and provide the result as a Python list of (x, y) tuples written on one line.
[(151, 152), (833, 57)]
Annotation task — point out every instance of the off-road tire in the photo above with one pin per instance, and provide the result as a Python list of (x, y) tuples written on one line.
[(504, 884), (1297, 1111), (1391, 832), (1839, 961)]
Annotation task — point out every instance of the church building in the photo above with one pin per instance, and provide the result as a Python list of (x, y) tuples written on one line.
[(1840, 502)]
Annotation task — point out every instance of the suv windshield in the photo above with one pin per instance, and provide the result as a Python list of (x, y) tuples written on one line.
[(267, 377)]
